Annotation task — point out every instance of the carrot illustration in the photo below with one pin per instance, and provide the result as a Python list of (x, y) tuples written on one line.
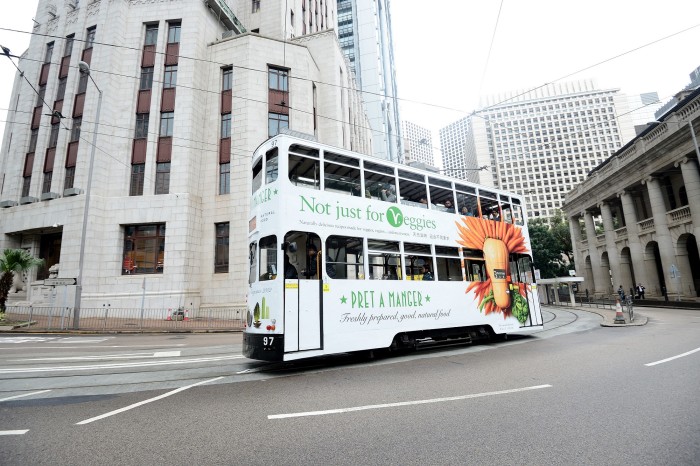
[(496, 258)]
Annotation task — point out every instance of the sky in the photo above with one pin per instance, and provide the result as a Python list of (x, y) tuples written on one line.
[(442, 58)]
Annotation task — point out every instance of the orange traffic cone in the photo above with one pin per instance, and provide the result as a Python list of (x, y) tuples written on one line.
[(619, 318), (187, 314), (170, 317)]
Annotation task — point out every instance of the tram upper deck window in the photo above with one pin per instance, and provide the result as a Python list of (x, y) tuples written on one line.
[(415, 257), (304, 167), (384, 260), (448, 267), (466, 200), (517, 211), (380, 182), (257, 174), (412, 189), (268, 258), (441, 195), (506, 210), (521, 268), (345, 258), (341, 174), (489, 206), (271, 165)]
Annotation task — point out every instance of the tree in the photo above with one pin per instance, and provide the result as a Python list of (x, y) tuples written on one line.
[(551, 246), (14, 260)]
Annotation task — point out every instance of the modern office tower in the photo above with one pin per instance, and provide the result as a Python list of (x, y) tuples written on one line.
[(187, 94), (417, 144), (459, 158), (364, 31), (694, 84), (544, 142)]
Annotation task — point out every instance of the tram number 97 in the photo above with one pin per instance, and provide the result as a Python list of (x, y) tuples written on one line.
[(267, 341)]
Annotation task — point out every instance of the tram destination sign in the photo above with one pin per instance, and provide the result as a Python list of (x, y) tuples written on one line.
[(59, 281)]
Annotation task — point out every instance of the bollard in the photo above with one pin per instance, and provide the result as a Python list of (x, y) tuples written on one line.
[(619, 318)]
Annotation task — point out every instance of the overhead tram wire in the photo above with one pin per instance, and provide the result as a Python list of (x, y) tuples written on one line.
[(376, 93), (358, 90), (488, 57)]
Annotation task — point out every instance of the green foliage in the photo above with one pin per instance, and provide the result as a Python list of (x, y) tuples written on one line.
[(520, 308), (11, 261), (551, 246)]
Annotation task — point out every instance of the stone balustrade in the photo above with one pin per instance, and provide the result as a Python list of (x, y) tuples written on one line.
[(680, 215), (646, 225), (621, 233)]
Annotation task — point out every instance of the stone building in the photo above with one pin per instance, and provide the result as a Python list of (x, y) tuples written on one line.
[(648, 195), (189, 91)]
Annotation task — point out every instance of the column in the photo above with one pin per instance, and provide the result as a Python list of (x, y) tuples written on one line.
[(662, 234), (613, 254), (600, 278), (640, 271), (691, 179), (575, 232)]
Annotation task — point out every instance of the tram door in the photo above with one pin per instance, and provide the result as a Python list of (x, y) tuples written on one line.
[(302, 292)]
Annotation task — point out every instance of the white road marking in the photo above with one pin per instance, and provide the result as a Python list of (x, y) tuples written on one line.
[(83, 340), (157, 354), (672, 358), (405, 403), (22, 396), (22, 348), (14, 432), (141, 403), (26, 339), (116, 365)]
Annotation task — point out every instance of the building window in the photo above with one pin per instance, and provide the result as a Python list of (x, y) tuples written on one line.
[(221, 249), (53, 136), (278, 79), (40, 96), (174, 33), (82, 83), (49, 52), (227, 83), (170, 77), (137, 174), (146, 82), (90, 38), (226, 126), (256, 6), (32, 140), (225, 178), (69, 46), (166, 124), (151, 34), (144, 249), (141, 126), (26, 183), (61, 92), (70, 178), (46, 187), (162, 178), (75, 131), (275, 122)]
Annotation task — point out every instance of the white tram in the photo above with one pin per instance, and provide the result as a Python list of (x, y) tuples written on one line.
[(349, 252)]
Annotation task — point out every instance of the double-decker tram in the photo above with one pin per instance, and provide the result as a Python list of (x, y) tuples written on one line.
[(348, 252)]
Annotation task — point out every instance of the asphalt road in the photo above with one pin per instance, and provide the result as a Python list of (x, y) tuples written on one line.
[(576, 393)]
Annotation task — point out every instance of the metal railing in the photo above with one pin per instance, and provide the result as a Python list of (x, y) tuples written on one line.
[(127, 319)]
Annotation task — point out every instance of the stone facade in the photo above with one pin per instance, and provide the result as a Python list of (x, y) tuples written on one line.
[(647, 196), (322, 101)]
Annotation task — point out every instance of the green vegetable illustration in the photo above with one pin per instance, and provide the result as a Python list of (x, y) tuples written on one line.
[(256, 311), (520, 308)]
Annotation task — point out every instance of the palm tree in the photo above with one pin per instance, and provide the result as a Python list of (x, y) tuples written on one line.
[(14, 260)]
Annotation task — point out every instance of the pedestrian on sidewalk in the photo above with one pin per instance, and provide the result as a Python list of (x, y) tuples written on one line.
[(621, 293), (640, 290)]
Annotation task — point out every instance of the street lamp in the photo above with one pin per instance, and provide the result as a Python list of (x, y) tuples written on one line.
[(85, 69)]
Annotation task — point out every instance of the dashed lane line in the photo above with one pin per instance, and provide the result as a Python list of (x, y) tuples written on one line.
[(141, 403), (14, 432), (116, 365), (405, 403), (157, 354), (672, 358), (23, 396)]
